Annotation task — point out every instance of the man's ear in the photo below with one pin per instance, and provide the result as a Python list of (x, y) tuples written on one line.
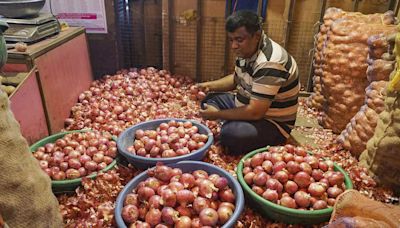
[(258, 34)]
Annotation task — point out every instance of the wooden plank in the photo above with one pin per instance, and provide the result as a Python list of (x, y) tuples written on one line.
[(153, 33), (14, 67), (64, 73), (39, 48), (27, 107)]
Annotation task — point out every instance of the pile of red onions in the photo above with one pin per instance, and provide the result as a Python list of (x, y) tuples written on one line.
[(116, 102), (170, 139), (76, 155), (171, 198), (290, 177)]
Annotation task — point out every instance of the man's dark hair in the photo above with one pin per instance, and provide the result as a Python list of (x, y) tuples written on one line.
[(246, 18)]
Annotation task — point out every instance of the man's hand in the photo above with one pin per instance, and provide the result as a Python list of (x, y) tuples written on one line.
[(204, 86), (209, 113)]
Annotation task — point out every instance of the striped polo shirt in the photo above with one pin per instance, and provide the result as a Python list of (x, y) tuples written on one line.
[(271, 73)]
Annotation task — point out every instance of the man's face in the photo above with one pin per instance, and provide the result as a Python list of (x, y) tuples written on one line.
[(243, 44)]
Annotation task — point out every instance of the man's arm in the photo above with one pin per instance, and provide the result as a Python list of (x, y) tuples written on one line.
[(224, 84), (255, 110)]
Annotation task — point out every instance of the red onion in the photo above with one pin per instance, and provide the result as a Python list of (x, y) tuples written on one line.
[(187, 180), (312, 161), (206, 188), (153, 217), (163, 173), (130, 213), (316, 189), (320, 204), (267, 166), (300, 151), (248, 178), (302, 199), (281, 176), (168, 198), (169, 215), (227, 195), (153, 183), (317, 174), (334, 191), (145, 193), (258, 190), (291, 187), (175, 186), (208, 217), (274, 184), (260, 178), (200, 174), (256, 160), (72, 173), (288, 201), (302, 179), (200, 203), (185, 197), (184, 222), (132, 199), (271, 195), (155, 202), (305, 167), (184, 211), (336, 178), (289, 148)]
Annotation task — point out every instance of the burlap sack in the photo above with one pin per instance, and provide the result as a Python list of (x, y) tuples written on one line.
[(355, 210), (382, 154), (26, 199)]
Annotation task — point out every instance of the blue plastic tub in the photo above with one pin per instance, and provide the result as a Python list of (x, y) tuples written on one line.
[(126, 140), (186, 166)]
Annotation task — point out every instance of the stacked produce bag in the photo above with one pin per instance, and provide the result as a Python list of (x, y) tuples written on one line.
[(381, 156), (362, 126), (317, 99), (344, 78)]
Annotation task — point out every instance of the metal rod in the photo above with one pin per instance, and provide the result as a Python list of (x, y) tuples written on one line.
[(289, 22), (311, 73), (396, 8), (227, 49), (259, 8), (171, 34), (391, 4), (355, 5), (199, 30)]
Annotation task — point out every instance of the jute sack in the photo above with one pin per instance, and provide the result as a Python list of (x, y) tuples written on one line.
[(355, 210), (382, 154), (26, 199)]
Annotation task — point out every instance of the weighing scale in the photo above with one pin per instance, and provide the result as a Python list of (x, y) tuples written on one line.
[(30, 30)]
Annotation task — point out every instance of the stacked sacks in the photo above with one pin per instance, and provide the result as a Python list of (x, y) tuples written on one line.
[(360, 128), (316, 100), (382, 154), (344, 79)]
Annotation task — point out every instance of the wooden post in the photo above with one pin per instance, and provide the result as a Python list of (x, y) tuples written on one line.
[(171, 17), (227, 49), (199, 19)]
